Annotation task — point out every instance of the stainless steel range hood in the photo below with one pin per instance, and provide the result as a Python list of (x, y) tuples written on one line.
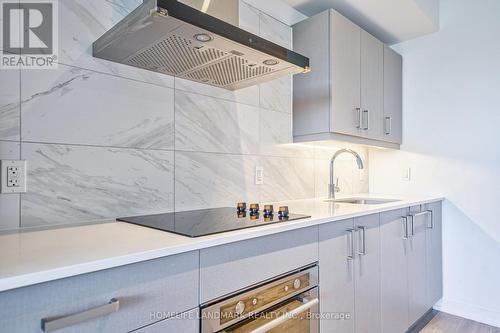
[(174, 38)]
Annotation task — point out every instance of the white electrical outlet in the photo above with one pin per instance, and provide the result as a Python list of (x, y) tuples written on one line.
[(259, 175), (406, 174), (13, 176)]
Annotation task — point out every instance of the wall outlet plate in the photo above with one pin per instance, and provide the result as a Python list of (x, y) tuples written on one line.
[(259, 175), (13, 176)]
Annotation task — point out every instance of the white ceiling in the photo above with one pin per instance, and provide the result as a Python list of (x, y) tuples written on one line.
[(392, 21)]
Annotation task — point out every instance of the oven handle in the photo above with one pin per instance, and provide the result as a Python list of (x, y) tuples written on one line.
[(289, 315)]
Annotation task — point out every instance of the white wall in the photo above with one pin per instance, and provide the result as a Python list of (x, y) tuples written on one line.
[(451, 142)]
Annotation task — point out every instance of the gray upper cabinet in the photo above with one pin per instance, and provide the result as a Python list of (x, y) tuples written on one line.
[(372, 87), (393, 96), (394, 273), (342, 98)]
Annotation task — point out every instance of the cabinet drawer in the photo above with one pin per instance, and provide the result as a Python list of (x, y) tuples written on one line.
[(187, 322), (230, 267), (162, 285)]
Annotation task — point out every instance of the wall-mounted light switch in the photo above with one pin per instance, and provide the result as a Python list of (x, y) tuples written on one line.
[(259, 175), (13, 176)]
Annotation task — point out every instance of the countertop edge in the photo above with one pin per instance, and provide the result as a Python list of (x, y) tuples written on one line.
[(29, 279)]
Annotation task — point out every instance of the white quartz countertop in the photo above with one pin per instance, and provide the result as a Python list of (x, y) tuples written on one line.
[(31, 257)]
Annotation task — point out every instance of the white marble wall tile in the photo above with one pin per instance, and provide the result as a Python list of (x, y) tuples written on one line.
[(69, 184), (10, 91), (9, 203), (287, 178), (77, 106), (81, 22), (248, 95), (276, 137), (214, 125), (277, 94), (204, 180), (249, 18)]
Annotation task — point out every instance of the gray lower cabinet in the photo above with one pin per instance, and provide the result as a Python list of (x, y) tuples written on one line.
[(434, 252), (230, 267), (186, 322), (417, 265), (336, 276), (394, 274), (367, 274), (165, 285)]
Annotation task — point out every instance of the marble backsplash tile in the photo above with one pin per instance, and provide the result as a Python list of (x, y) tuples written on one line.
[(10, 116), (210, 124), (104, 140), (9, 203), (76, 183), (77, 106)]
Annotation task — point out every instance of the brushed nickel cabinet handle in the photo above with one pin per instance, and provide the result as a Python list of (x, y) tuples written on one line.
[(362, 240), (360, 118), (352, 233), (54, 324), (367, 112), (431, 215), (406, 235), (388, 125)]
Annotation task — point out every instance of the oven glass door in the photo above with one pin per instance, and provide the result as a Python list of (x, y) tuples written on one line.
[(296, 315)]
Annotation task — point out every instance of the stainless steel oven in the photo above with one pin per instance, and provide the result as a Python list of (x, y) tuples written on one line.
[(287, 303)]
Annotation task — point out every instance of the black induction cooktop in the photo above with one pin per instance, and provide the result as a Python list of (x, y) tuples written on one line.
[(204, 222)]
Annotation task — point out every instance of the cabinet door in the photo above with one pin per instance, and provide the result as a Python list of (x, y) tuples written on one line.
[(393, 96), (336, 276), (367, 274), (372, 86), (417, 266), (394, 274), (434, 254), (346, 86)]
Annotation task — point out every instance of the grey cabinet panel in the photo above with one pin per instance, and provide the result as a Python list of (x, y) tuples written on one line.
[(394, 274), (393, 96), (417, 267), (162, 285), (227, 268), (372, 86), (187, 322), (345, 55), (367, 274), (434, 252), (336, 276), (311, 96)]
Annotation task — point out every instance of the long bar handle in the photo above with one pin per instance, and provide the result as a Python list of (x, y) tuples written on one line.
[(406, 235), (360, 118), (412, 224), (287, 316), (362, 240), (388, 125), (431, 215), (367, 112), (351, 244), (54, 324)]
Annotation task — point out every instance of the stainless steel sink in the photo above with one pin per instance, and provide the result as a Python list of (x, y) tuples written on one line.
[(362, 201)]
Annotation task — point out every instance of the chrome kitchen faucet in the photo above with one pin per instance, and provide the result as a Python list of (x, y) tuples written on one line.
[(334, 186)]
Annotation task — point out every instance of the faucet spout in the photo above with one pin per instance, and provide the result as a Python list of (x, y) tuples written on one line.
[(333, 187)]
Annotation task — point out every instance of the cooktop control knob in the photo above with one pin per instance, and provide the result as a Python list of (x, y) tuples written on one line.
[(239, 308), (268, 210), (254, 208), (283, 211), (296, 284), (242, 206)]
